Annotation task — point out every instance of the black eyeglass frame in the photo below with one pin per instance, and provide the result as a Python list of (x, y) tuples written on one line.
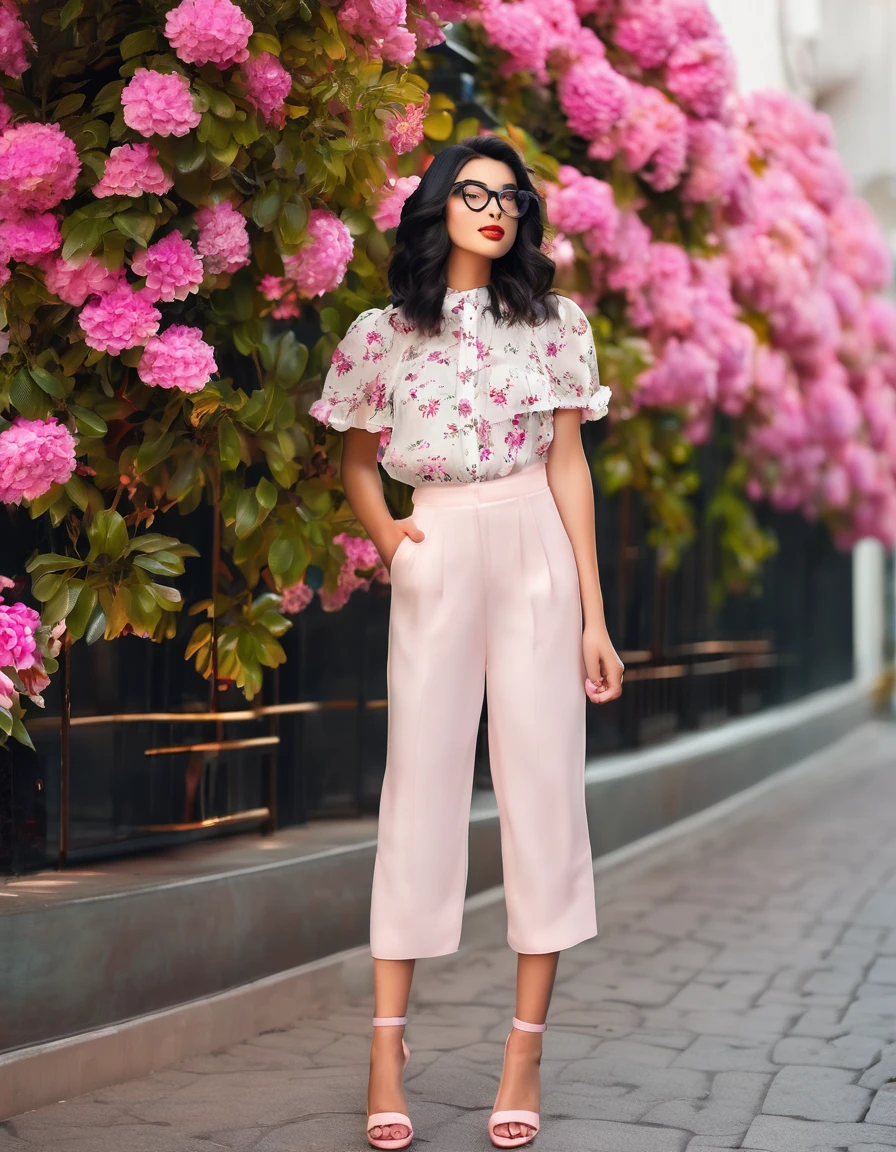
[(528, 197)]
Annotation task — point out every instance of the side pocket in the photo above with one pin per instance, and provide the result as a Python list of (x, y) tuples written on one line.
[(402, 543)]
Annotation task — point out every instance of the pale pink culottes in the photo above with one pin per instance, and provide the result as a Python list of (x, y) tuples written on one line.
[(489, 600)]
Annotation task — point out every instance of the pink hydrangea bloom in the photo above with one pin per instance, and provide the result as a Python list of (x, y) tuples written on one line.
[(283, 296), (712, 161), (38, 167), (34, 455), (8, 693), (223, 238), (360, 553), (520, 31), (668, 292), (648, 30), (18, 645), (121, 319), (209, 32), (178, 358), (595, 99), (387, 213), (371, 20), (404, 132), (832, 409), (131, 170), (700, 74), (74, 284), (320, 266), (296, 598), (267, 86), (30, 236), (654, 138), (858, 246), (684, 374), (159, 104), (631, 249), (171, 266), (427, 32), (584, 204), (14, 40)]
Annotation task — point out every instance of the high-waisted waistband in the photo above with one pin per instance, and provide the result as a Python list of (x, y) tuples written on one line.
[(532, 478)]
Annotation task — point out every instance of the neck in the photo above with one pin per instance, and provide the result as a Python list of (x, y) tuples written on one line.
[(466, 270)]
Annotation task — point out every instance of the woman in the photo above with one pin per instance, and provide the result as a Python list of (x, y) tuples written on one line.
[(477, 377)]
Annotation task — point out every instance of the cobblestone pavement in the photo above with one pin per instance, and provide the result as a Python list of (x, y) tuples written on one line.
[(741, 994)]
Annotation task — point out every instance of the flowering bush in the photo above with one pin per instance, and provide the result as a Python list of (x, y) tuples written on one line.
[(170, 187), (730, 271)]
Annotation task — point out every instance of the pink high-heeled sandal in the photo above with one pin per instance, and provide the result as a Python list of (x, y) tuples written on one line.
[(380, 1119), (514, 1115)]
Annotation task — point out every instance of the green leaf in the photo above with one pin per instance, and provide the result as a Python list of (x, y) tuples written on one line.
[(266, 494), (71, 103), (263, 42), (280, 556), (266, 206), (108, 99), (96, 626), (158, 565), (82, 239), (78, 619), (45, 587), (78, 491), (293, 221), (108, 536), (19, 732), (88, 422), (152, 452), (135, 225), (247, 513), (51, 562), (51, 384), (70, 11), (229, 448), (189, 153), (62, 603), (138, 42)]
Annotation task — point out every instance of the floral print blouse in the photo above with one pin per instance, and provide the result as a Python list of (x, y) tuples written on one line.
[(474, 403)]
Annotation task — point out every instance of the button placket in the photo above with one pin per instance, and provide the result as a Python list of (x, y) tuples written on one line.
[(466, 382)]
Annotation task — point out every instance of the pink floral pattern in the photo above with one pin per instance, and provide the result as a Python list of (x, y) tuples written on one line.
[(473, 403)]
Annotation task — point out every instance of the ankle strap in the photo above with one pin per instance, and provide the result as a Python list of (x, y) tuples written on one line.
[(528, 1027), (380, 1021)]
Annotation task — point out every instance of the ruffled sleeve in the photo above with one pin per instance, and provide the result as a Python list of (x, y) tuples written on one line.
[(571, 361), (357, 392)]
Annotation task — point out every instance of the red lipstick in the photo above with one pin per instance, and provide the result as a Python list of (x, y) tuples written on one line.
[(492, 231)]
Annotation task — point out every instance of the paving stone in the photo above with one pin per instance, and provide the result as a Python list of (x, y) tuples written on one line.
[(883, 1106), (816, 1093), (843, 1052), (721, 1054), (733, 1101), (783, 1134)]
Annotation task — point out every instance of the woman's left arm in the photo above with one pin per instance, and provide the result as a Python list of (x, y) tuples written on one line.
[(569, 477)]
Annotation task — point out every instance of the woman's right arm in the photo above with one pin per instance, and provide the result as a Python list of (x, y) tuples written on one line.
[(363, 489)]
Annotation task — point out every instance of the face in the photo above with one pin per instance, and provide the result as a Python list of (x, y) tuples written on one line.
[(465, 225)]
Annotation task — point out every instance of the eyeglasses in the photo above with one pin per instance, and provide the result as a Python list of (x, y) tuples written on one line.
[(514, 202)]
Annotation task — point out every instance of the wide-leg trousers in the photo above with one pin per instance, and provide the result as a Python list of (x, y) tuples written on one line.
[(488, 602)]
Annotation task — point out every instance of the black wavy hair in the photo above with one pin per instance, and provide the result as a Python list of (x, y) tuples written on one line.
[(520, 287)]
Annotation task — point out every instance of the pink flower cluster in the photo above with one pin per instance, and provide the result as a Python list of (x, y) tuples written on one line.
[(296, 598), (385, 30), (387, 213), (39, 166), (267, 86), (178, 358), (123, 318), (223, 240), (780, 329), (74, 284), (159, 104), (131, 170), (171, 266), (15, 40), (320, 266), (209, 32), (34, 455), (24, 642), (360, 554), (404, 131)]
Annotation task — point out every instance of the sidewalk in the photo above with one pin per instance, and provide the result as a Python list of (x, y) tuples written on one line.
[(741, 994)]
